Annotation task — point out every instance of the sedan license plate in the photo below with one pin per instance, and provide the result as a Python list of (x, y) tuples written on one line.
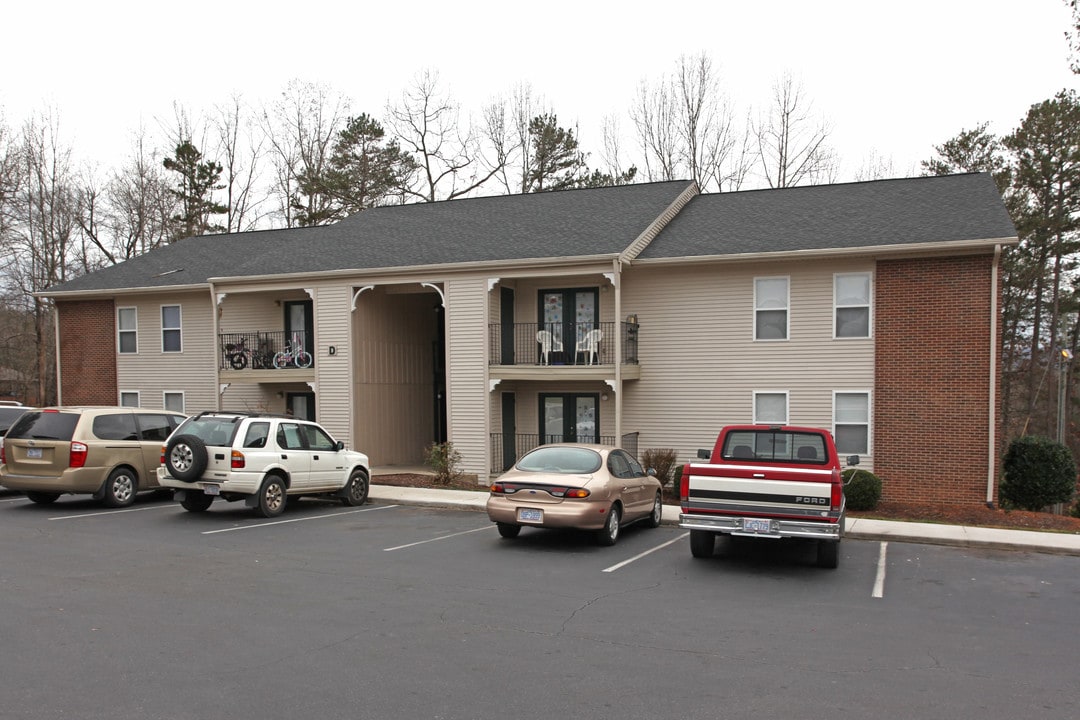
[(530, 515), (212, 489), (33, 453), (755, 525)]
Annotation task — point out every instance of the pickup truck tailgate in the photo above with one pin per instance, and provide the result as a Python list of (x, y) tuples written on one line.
[(759, 490)]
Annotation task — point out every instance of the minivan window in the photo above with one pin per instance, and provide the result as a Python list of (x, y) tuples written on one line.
[(116, 426), (153, 427), (44, 426)]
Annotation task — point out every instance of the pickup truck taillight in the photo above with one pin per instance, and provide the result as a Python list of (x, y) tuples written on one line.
[(78, 455), (837, 495), (237, 460), (684, 484)]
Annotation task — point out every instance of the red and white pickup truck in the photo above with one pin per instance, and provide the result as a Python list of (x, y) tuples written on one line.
[(766, 481)]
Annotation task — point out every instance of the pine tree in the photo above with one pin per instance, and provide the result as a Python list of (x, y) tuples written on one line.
[(194, 189)]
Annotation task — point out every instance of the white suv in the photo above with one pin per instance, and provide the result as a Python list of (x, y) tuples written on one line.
[(260, 459)]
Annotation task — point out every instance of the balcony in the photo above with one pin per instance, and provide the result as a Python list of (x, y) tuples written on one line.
[(265, 351), (562, 344)]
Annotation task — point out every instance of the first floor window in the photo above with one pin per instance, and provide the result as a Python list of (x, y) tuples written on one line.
[(770, 408), (851, 423), (127, 330), (170, 328), (129, 398), (174, 401)]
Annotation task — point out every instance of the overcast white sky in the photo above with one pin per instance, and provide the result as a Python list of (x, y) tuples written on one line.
[(892, 78)]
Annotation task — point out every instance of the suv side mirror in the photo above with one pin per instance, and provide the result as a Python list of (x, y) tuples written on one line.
[(852, 460), (340, 445), (704, 454)]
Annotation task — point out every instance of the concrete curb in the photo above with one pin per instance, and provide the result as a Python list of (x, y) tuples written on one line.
[(857, 528)]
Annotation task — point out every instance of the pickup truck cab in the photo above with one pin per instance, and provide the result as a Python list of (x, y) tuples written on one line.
[(766, 481)]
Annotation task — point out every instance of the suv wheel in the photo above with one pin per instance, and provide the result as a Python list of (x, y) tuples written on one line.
[(356, 491), (120, 488), (185, 457), (195, 501), (272, 497)]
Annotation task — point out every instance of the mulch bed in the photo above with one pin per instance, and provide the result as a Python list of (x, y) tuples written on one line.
[(973, 515)]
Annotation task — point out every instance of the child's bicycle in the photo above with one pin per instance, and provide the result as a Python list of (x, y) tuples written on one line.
[(292, 354)]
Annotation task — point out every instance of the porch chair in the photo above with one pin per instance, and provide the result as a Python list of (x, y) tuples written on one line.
[(591, 346), (549, 343)]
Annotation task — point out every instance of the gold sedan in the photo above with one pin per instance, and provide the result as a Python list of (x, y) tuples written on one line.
[(589, 487)]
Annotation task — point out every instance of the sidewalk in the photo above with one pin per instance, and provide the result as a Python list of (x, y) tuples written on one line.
[(857, 528)]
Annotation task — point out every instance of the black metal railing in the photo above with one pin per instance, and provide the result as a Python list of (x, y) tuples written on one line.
[(568, 343), (504, 454), (265, 350)]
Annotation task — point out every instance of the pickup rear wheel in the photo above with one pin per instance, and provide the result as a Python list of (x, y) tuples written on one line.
[(828, 554), (272, 497), (185, 457), (702, 543)]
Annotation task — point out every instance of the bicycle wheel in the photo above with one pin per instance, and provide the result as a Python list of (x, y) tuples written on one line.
[(303, 359), (280, 360), (238, 361)]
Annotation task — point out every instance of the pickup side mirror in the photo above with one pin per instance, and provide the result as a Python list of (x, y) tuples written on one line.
[(852, 460), (704, 454)]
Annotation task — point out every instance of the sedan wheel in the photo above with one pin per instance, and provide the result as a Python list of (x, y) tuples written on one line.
[(509, 531), (610, 533), (120, 488), (272, 497), (653, 521)]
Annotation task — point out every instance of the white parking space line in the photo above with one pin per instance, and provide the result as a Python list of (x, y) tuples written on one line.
[(436, 539), (624, 563), (879, 581), (15, 499), (114, 512), (296, 520)]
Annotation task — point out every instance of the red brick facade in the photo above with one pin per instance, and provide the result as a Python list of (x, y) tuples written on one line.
[(87, 352), (932, 376)]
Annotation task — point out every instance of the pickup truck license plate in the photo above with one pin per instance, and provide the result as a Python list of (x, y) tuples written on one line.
[(755, 525), (530, 515), (33, 453), (212, 489)]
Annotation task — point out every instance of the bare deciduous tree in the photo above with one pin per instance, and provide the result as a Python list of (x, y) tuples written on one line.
[(653, 114), (792, 145), (240, 149)]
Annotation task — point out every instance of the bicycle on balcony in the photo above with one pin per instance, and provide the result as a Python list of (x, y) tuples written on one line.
[(293, 354)]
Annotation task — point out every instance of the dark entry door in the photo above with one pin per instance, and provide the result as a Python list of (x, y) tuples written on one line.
[(300, 405), (509, 430), (506, 328), (299, 322), (570, 417)]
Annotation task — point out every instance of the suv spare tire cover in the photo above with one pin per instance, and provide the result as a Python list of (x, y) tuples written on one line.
[(196, 447)]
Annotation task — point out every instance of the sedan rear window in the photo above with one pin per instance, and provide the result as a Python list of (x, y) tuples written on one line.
[(44, 426), (565, 460)]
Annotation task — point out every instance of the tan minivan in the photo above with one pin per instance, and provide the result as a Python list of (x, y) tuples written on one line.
[(111, 453)]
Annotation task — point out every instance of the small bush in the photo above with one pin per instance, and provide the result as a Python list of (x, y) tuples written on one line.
[(863, 489), (1037, 472), (445, 461), (660, 459)]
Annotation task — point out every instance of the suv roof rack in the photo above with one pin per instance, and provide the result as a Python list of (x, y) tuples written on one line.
[(245, 414)]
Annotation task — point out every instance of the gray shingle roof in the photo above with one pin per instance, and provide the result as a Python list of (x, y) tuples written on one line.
[(881, 212), (574, 223)]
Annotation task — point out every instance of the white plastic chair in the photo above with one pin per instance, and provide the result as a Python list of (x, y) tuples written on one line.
[(591, 346), (549, 343)]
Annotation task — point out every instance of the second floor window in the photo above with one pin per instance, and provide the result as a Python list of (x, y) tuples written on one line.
[(127, 330), (771, 308), (170, 328), (851, 297)]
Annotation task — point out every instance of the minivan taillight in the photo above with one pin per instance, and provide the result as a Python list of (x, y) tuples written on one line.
[(78, 455)]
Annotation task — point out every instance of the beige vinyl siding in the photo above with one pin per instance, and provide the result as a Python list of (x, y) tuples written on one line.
[(392, 374), (256, 311), (151, 373), (466, 371), (683, 398), (333, 325)]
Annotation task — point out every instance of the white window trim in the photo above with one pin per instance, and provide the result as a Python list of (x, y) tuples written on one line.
[(179, 328), (869, 305), (786, 308), (183, 400), (134, 330), (136, 393), (787, 406), (869, 417)]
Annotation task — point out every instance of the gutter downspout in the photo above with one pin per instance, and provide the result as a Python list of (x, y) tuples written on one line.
[(56, 332), (214, 306), (617, 277), (991, 463)]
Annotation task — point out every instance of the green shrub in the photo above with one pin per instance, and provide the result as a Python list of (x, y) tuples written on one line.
[(1037, 472), (862, 489), (676, 476), (662, 460), (445, 461)]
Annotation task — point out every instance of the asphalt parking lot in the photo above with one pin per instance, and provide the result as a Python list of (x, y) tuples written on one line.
[(389, 611)]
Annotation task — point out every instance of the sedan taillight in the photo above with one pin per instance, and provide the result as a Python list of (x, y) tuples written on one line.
[(3, 458), (78, 455)]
